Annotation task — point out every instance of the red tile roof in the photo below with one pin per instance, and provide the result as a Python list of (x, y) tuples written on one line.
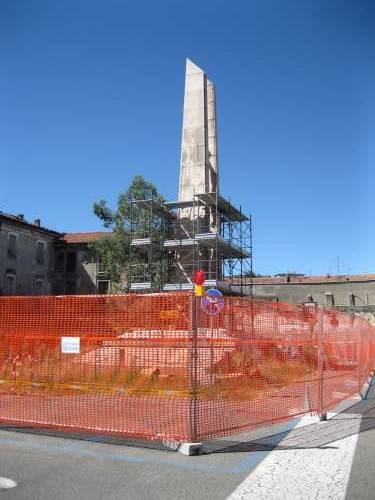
[(85, 237)]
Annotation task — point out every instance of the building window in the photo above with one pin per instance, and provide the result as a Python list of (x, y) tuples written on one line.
[(330, 299), (351, 300), (85, 256), (71, 262), (38, 287), (10, 284), (40, 252), (59, 261), (103, 286), (12, 246)]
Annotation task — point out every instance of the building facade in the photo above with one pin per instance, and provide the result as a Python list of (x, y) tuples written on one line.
[(348, 292), (27, 256), (35, 260)]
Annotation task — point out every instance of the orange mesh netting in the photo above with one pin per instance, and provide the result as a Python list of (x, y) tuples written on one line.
[(157, 366)]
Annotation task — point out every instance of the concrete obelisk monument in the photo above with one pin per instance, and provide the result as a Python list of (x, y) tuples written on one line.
[(199, 164)]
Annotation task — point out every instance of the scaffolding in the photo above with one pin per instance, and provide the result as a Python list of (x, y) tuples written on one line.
[(170, 241)]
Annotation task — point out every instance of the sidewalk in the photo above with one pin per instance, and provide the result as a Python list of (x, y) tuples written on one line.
[(324, 460)]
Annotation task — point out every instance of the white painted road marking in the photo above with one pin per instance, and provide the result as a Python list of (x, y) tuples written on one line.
[(6, 483), (301, 473)]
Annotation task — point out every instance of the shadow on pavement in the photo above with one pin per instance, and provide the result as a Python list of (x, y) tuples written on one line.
[(96, 438), (354, 420)]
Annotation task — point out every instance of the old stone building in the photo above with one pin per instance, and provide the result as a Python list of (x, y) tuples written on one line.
[(27, 256), (345, 292), (35, 260)]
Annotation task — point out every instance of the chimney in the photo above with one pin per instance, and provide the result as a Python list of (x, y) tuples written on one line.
[(37, 222)]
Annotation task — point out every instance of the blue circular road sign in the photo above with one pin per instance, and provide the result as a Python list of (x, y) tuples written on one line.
[(212, 302)]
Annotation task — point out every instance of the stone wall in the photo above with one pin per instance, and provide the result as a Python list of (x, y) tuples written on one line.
[(27, 264), (341, 292)]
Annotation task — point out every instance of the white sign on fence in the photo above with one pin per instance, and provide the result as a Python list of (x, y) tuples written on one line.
[(70, 345)]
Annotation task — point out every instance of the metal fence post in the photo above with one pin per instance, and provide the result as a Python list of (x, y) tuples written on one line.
[(360, 353), (193, 368), (322, 414)]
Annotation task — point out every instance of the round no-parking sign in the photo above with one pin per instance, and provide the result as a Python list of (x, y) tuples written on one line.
[(212, 302)]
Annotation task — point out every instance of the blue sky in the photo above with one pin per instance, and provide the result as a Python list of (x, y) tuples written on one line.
[(91, 93)]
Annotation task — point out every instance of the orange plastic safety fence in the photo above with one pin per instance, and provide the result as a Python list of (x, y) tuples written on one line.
[(157, 366), (276, 361)]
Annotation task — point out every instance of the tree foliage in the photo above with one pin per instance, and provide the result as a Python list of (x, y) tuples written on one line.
[(113, 250)]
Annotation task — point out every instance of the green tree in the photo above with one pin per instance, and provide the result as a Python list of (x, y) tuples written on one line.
[(114, 250)]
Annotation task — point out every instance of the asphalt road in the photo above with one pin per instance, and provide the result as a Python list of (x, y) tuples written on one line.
[(47, 467)]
